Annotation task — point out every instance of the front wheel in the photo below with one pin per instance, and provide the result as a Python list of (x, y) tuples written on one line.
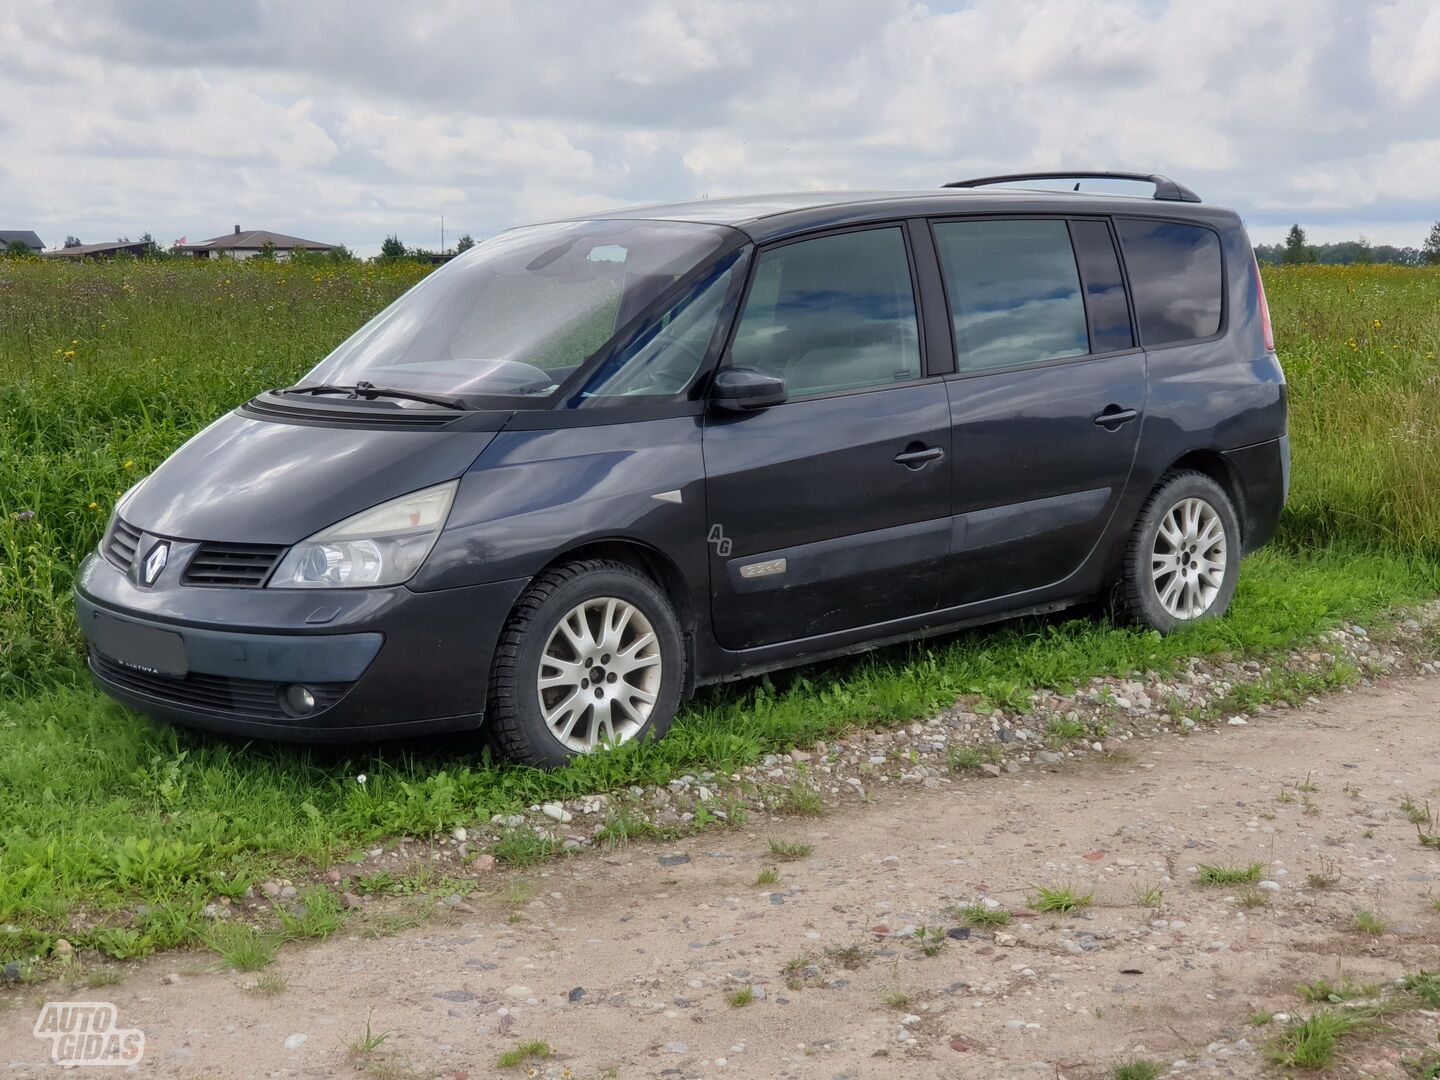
[(1184, 555), (591, 657)]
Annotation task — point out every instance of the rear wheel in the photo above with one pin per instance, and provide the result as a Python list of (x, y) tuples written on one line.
[(590, 658), (1184, 555)]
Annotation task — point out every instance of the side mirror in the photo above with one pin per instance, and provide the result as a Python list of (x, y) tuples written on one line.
[(740, 389)]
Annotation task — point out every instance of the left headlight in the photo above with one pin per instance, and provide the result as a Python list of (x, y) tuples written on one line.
[(384, 545)]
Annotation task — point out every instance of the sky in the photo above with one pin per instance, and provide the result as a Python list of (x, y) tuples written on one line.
[(347, 120)]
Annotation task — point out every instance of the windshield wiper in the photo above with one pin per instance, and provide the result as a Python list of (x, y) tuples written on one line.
[(370, 391)]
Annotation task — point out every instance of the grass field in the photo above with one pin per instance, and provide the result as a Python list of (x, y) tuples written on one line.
[(105, 369)]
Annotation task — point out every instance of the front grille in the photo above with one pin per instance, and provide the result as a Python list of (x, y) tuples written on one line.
[(254, 698), (120, 545), (244, 566)]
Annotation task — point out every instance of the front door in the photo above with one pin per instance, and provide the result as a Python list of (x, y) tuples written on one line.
[(830, 511)]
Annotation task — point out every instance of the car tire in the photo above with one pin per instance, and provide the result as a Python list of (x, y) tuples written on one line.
[(591, 654), (1183, 559)]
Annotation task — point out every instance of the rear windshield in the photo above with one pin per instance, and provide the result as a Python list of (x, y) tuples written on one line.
[(1175, 278), (517, 314)]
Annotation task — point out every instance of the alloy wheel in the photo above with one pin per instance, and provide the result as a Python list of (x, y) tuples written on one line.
[(1187, 565), (599, 675)]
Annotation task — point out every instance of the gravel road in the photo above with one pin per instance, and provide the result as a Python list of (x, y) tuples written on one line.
[(634, 963)]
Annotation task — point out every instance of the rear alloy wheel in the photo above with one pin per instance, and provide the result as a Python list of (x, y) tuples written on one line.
[(590, 658), (1184, 554)]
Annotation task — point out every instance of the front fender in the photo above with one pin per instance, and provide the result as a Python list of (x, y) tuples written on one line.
[(535, 494)]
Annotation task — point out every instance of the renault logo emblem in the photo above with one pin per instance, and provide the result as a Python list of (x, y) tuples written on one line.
[(154, 562)]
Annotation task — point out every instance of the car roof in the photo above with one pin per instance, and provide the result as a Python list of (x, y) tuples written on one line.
[(774, 216)]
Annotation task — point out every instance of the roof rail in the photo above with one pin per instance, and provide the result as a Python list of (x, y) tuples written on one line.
[(1165, 188)]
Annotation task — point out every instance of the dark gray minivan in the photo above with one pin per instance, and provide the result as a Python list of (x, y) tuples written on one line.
[(591, 465)]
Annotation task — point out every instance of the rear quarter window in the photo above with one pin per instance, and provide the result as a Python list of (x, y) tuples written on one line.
[(1176, 279)]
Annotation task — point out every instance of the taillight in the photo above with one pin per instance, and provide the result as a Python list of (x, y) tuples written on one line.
[(1264, 307)]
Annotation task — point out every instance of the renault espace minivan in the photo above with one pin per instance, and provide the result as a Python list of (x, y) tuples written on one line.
[(591, 465)]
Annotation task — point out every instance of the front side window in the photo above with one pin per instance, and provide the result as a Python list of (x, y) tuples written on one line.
[(519, 313), (1014, 292), (1175, 277), (831, 314)]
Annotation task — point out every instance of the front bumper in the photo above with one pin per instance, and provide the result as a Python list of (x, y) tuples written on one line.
[(381, 663)]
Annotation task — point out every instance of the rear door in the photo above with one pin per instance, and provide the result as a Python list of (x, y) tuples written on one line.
[(830, 511), (1046, 402)]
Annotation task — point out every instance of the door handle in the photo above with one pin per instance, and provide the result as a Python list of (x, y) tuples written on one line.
[(918, 457), (1113, 416)]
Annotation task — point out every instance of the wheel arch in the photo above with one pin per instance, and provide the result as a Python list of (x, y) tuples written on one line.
[(659, 568), (1217, 467)]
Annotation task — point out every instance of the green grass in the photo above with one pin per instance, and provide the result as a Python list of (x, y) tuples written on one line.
[(1208, 874), (105, 369), (1424, 985), (790, 850), (534, 1050), (370, 1040), (740, 998), (243, 947), (965, 759), (801, 799), (1136, 1069), (1367, 922), (768, 875), (270, 984), (1151, 896), (1416, 813), (1059, 899), (1311, 1043), (980, 915), (1323, 990), (523, 847)]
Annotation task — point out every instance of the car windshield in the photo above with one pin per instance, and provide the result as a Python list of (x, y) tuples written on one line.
[(520, 312)]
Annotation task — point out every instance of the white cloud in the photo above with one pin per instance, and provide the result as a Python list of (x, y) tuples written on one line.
[(345, 120)]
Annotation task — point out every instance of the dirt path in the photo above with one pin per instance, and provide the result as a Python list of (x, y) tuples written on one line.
[(625, 962)]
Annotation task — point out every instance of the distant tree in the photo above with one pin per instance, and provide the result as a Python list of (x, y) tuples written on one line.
[(1431, 251), (266, 252), (1344, 253), (72, 241), (392, 248), (1296, 250), (465, 243), (16, 248), (340, 253)]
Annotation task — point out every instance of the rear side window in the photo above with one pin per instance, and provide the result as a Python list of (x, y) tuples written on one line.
[(1175, 277), (1104, 288), (1014, 292), (830, 314)]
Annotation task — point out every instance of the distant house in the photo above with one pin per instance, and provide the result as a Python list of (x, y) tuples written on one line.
[(246, 245), (21, 236), (136, 248)]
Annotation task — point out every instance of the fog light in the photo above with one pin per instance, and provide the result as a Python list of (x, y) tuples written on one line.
[(299, 700)]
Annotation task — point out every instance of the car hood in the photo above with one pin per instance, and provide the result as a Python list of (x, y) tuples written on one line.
[(254, 481)]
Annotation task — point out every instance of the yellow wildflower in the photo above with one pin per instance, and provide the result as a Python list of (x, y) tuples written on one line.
[(129, 464)]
